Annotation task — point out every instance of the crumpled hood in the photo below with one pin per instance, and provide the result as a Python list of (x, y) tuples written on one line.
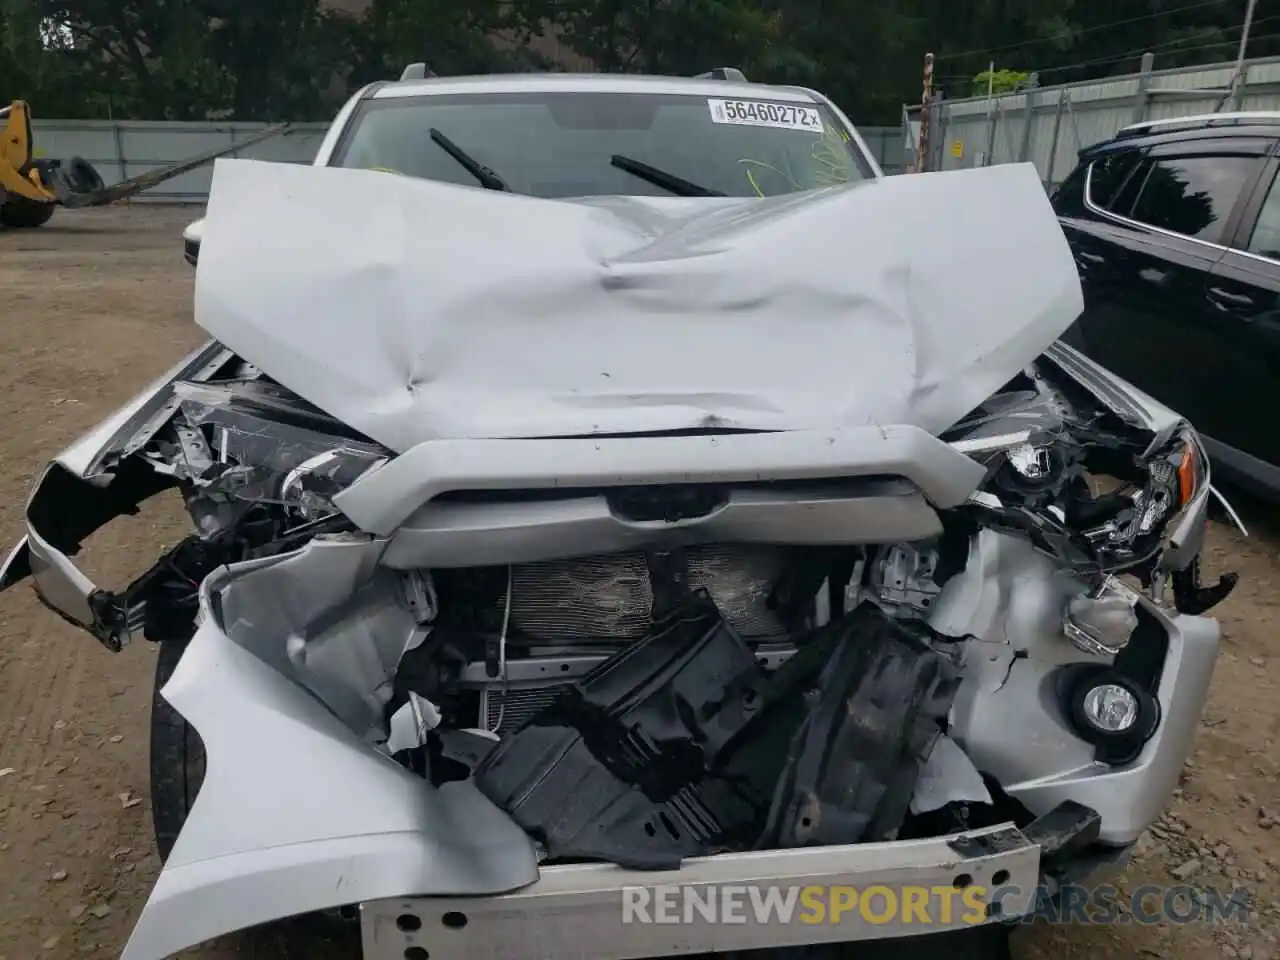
[(416, 310)]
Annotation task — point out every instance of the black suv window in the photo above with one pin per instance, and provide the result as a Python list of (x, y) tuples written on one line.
[(1266, 232), (1068, 199), (1192, 196), (1108, 175)]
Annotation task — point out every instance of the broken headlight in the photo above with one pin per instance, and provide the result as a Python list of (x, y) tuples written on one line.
[(1174, 477), (1100, 502), (251, 442)]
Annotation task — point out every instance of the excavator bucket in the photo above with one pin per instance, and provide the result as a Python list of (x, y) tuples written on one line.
[(76, 187)]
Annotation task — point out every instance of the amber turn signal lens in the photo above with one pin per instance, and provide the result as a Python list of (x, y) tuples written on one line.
[(1188, 474)]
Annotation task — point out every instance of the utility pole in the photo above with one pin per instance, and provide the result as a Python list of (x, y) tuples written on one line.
[(1237, 75), (926, 107), (1244, 35)]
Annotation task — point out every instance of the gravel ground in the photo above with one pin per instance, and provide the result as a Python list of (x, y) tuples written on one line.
[(97, 303)]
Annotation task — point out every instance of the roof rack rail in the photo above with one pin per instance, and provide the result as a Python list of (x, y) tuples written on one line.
[(1200, 122), (417, 71), (723, 73)]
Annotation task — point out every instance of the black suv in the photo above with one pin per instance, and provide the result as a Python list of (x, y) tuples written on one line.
[(1175, 228)]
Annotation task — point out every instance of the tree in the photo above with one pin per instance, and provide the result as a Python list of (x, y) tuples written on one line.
[(295, 59), (453, 37), (37, 65), (995, 82), (679, 37)]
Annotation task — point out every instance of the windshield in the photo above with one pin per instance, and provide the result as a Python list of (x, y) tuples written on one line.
[(573, 144)]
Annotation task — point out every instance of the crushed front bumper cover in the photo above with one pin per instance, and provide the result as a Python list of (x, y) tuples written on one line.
[(323, 821)]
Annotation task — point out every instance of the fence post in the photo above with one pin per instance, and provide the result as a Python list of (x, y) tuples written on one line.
[(1053, 141), (993, 120), (1024, 151), (910, 162), (119, 142), (1143, 95), (940, 136), (1237, 95)]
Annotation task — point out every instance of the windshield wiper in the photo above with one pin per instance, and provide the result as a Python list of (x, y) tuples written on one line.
[(667, 181), (487, 178)]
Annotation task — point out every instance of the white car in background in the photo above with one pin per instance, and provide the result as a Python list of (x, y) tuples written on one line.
[(191, 241)]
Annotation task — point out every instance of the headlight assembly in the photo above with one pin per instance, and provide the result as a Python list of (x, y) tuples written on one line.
[(251, 442)]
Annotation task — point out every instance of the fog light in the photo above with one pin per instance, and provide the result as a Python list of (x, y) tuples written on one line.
[(1110, 708)]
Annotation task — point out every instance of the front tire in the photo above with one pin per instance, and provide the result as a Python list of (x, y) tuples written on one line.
[(177, 755), (24, 213)]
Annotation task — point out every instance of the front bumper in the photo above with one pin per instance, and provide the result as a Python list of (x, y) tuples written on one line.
[(297, 814), (722, 903)]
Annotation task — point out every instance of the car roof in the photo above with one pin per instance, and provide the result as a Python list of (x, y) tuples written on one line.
[(590, 83), (1198, 128)]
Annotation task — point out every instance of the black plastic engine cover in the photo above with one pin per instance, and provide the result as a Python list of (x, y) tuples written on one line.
[(682, 745), (617, 768), (853, 765)]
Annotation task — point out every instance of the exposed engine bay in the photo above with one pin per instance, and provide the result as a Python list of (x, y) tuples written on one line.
[(645, 706)]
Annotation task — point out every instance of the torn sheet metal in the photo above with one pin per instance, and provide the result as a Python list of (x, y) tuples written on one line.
[(416, 310)]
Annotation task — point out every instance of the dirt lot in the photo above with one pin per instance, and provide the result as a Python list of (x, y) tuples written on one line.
[(97, 303)]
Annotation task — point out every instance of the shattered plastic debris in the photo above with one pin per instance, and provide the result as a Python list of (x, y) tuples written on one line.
[(682, 744), (410, 723)]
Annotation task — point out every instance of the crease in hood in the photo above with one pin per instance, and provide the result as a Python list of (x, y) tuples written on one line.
[(416, 310)]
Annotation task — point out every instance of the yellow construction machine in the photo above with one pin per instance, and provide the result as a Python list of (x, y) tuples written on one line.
[(30, 188)]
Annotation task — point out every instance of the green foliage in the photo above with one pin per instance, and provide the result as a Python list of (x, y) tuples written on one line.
[(298, 59), (998, 81)]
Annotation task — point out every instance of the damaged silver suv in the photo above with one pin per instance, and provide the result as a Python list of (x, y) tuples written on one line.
[(617, 508)]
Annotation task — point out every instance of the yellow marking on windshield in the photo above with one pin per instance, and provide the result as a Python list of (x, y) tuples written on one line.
[(751, 177), (835, 166), (832, 164)]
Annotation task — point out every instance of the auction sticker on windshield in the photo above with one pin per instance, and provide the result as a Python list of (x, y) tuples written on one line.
[(756, 113)]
